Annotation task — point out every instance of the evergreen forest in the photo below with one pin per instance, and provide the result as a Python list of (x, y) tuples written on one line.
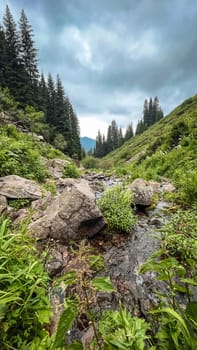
[(19, 73)]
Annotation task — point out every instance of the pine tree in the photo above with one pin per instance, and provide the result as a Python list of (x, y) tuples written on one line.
[(28, 57), (120, 137), (51, 101), (75, 137), (109, 144), (146, 113), (98, 152), (140, 127), (60, 109), (15, 73), (42, 94), (114, 134), (3, 58), (28, 53), (129, 132)]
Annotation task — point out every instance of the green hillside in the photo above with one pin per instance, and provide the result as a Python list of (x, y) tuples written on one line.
[(21, 150), (167, 149), (174, 138)]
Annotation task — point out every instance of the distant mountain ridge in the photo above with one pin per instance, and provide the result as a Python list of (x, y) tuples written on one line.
[(87, 143)]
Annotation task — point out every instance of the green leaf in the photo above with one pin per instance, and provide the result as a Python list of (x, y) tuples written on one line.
[(121, 344), (44, 315), (189, 281), (175, 315), (103, 284), (191, 312), (66, 320)]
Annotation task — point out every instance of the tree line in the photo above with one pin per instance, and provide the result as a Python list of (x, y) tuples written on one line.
[(152, 113), (20, 74), (114, 139)]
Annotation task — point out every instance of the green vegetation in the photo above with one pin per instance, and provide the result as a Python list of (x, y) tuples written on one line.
[(19, 155), (51, 187), (71, 170), (24, 304), (115, 205), (89, 162), (119, 330), (18, 203), (175, 263)]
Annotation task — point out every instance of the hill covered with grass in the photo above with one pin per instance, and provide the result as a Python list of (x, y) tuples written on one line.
[(21, 149), (167, 149)]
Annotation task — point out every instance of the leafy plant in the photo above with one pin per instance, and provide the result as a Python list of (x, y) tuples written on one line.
[(90, 162), (18, 203), (11, 154), (119, 330), (175, 264), (187, 185), (51, 187), (71, 170), (115, 205), (24, 304)]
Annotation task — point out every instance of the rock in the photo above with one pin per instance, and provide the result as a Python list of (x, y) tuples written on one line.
[(3, 204), (142, 192), (15, 187), (156, 221), (40, 205), (54, 264), (162, 187), (55, 167), (167, 187), (19, 216), (87, 337), (72, 214)]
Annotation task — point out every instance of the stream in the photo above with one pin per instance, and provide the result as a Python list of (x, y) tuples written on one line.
[(123, 255)]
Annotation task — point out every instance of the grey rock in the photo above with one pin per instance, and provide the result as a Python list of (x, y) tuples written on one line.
[(55, 167), (15, 187), (54, 264), (72, 214), (142, 192), (3, 204)]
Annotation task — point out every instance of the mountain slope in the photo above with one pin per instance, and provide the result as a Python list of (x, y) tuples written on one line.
[(168, 148)]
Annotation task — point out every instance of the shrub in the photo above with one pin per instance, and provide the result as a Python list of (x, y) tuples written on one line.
[(51, 187), (72, 171), (18, 157), (120, 330), (115, 205), (19, 203), (187, 185), (90, 162)]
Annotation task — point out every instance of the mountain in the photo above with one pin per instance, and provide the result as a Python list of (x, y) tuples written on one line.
[(87, 143)]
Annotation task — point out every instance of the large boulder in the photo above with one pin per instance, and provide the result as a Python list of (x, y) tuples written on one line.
[(142, 192), (15, 187), (72, 214)]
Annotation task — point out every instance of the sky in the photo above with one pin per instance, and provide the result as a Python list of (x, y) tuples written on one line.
[(113, 54)]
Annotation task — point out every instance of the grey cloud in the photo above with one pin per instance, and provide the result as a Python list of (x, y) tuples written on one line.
[(111, 54)]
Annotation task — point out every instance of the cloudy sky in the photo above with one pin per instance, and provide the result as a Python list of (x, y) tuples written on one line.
[(112, 54)]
